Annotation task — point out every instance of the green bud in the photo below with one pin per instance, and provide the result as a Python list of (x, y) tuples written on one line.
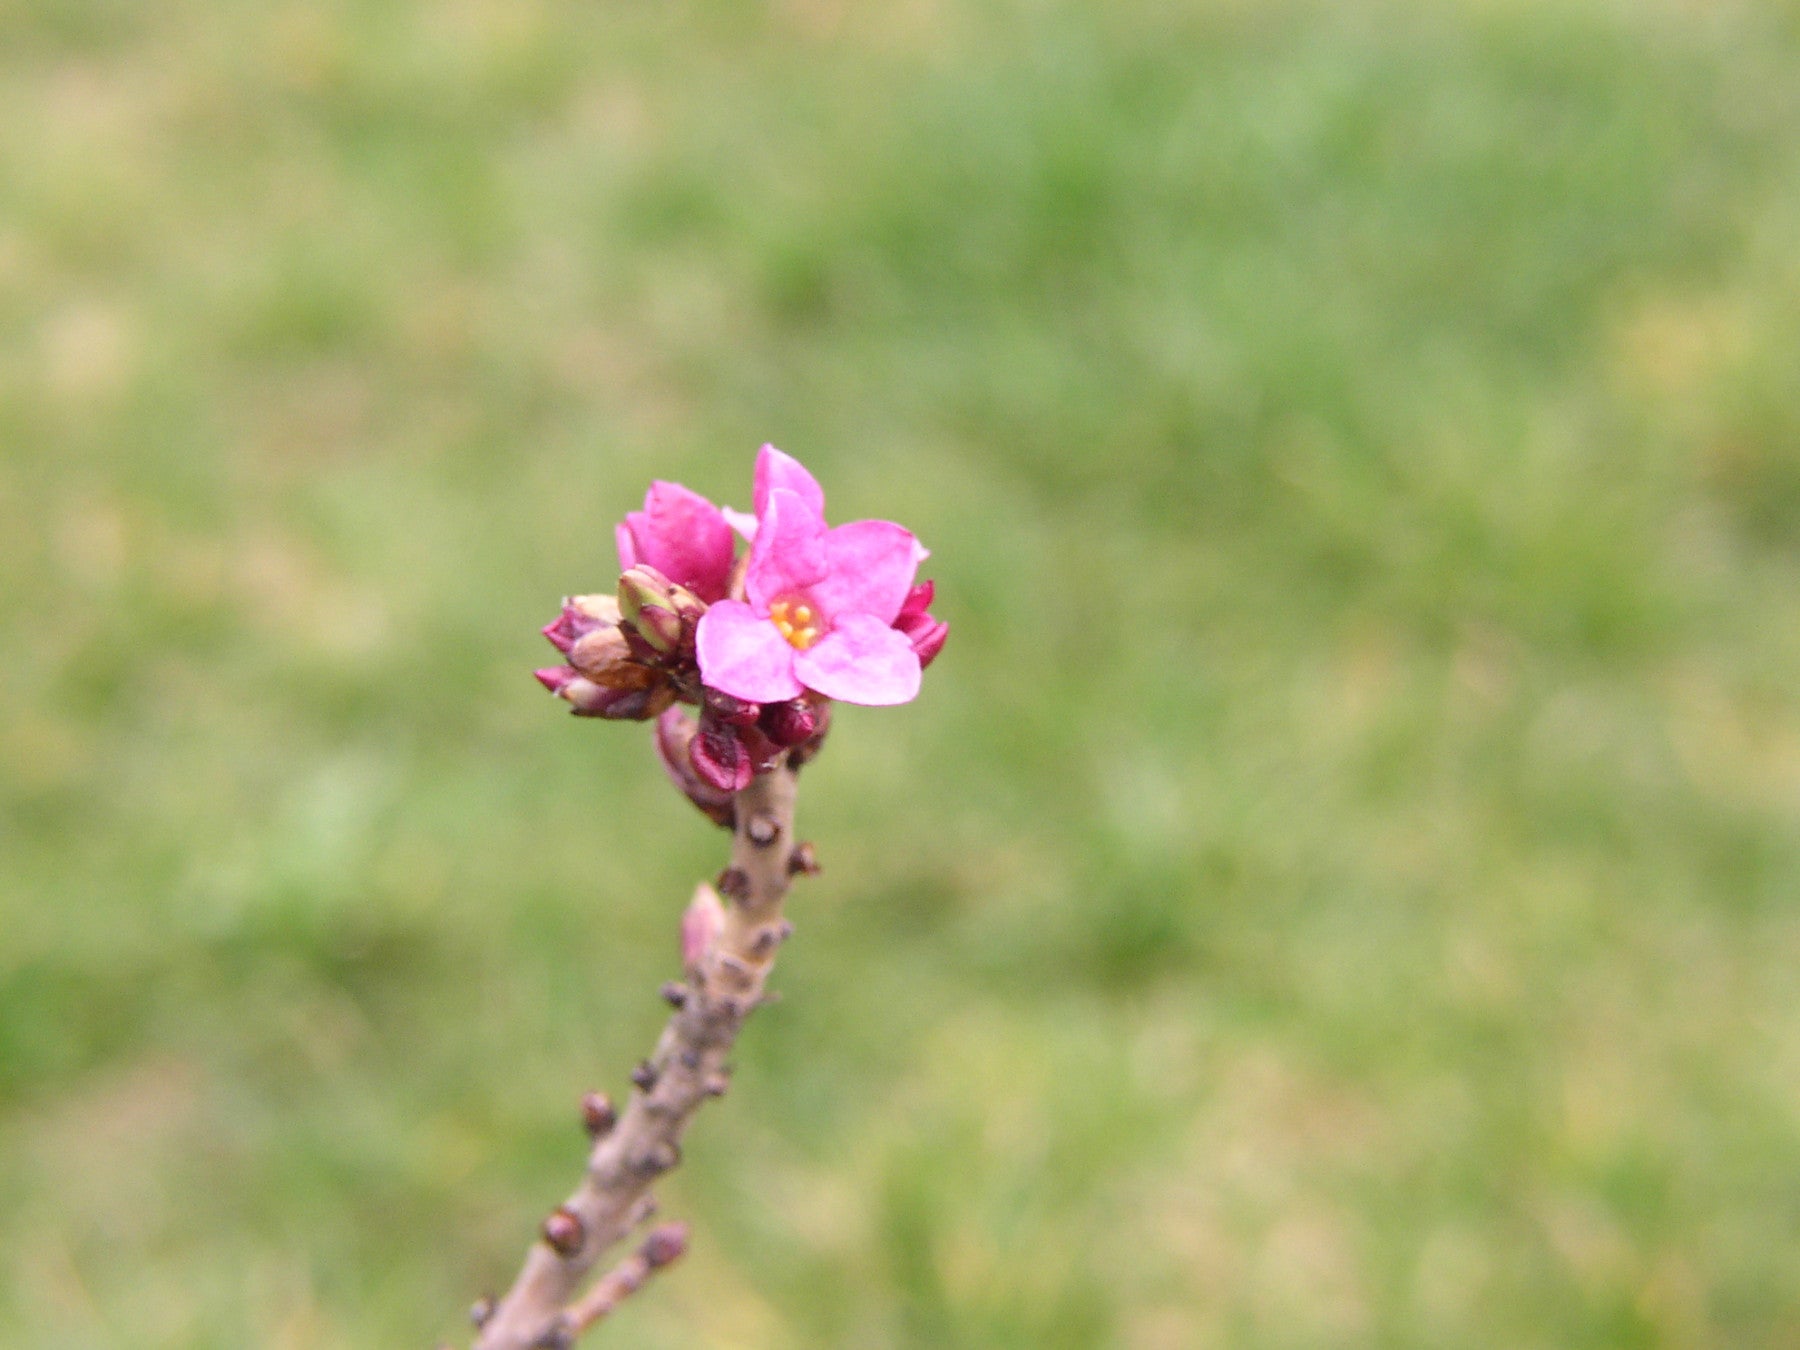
[(641, 586)]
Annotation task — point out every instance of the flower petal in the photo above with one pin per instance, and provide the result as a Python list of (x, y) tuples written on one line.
[(628, 555), (861, 660), (743, 654), (744, 522), (683, 536), (776, 470), (871, 564), (788, 555)]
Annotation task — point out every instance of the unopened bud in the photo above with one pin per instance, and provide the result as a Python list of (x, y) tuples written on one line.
[(720, 757), (563, 1231), (588, 699), (665, 1244), (640, 586), (688, 607), (601, 609), (808, 750), (675, 732), (644, 1076), (605, 657), (554, 678), (735, 711), (734, 884), (659, 626), (929, 640), (700, 926), (790, 723), (804, 860)]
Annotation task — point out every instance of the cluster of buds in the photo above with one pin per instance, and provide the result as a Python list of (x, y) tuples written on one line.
[(760, 644), (714, 756), (626, 658)]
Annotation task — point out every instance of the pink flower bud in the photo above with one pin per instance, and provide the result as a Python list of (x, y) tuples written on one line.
[(727, 708), (587, 699), (790, 723), (554, 678), (928, 640), (700, 926), (675, 731), (719, 756), (926, 634), (604, 657), (917, 601), (581, 615)]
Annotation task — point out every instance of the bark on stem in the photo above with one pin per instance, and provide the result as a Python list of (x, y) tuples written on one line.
[(687, 1067)]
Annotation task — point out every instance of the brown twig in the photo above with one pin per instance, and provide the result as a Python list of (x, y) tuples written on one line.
[(726, 973)]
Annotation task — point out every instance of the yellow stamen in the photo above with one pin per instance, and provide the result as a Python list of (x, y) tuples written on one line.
[(794, 621)]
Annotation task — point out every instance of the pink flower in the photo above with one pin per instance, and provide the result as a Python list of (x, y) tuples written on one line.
[(819, 604), (681, 535)]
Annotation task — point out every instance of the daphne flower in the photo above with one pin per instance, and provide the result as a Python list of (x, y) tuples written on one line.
[(681, 535), (819, 604)]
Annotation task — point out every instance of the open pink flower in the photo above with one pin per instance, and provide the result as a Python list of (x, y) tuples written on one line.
[(819, 604), (681, 535)]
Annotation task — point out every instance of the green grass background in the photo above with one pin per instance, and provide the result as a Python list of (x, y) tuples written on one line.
[(1337, 887)]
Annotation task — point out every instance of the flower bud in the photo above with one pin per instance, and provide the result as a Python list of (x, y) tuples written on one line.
[(929, 640), (554, 678), (686, 604), (587, 699), (581, 615), (917, 601), (809, 748), (700, 926), (727, 708), (926, 634), (604, 657), (790, 723), (675, 732), (719, 756), (640, 586), (660, 627)]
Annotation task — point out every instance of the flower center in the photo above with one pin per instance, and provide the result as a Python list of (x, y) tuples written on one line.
[(796, 621)]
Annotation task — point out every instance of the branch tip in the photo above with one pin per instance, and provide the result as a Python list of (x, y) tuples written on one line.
[(665, 1245), (675, 994)]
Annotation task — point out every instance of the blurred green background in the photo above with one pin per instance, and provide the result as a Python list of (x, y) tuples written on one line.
[(1336, 889)]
